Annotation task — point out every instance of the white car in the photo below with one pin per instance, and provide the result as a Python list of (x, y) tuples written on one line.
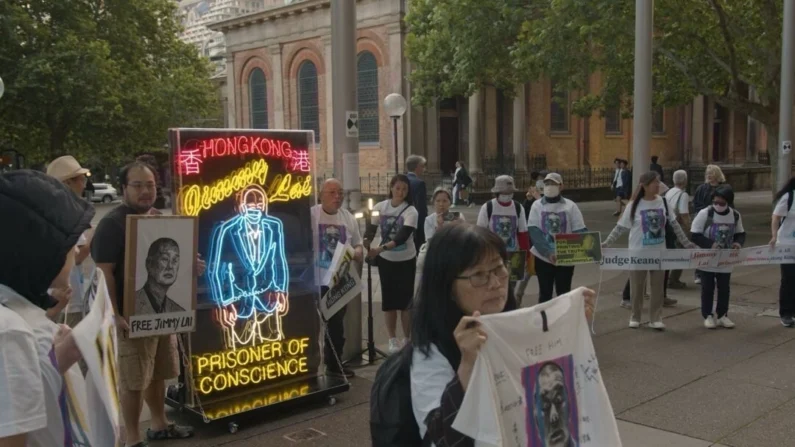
[(104, 192)]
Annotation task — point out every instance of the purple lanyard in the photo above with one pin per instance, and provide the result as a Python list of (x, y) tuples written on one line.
[(64, 406)]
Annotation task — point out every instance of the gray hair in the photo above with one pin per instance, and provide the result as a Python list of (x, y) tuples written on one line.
[(680, 178), (413, 161)]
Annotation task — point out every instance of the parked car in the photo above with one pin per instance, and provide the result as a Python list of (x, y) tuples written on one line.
[(104, 192)]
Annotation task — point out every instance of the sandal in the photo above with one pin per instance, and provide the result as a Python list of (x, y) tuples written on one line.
[(173, 431)]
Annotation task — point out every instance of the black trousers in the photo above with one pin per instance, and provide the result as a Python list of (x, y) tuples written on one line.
[(786, 294), (335, 336), (552, 277), (708, 282)]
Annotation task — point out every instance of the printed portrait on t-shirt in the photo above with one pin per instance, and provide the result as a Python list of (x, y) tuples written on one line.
[(328, 236), (505, 228), (653, 225), (390, 225), (552, 414), (553, 223), (722, 233)]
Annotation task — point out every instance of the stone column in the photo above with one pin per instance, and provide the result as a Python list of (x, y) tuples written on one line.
[(432, 137), (277, 87), (752, 133), (475, 126), (697, 150), (329, 137), (231, 92), (520, 129)]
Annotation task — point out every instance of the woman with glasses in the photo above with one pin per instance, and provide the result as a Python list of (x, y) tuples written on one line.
[(717, 227), (441, 200), (465, 276)]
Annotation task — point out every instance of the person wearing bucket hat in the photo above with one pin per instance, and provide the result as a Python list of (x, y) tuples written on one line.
[(68, 171), (549, 216), (35, 353), (506, 217)]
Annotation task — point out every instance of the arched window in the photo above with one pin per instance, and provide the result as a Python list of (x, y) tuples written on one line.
[(367, 97), (308, 111), (258, 99)]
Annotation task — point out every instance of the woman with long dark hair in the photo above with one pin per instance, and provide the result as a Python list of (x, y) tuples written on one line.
[(465, 276), (396, 259), (645, 220), (782, 228)]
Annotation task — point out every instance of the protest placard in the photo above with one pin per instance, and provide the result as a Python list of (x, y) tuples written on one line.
[(95, 336), (343, 281), (622, 259), (516, 262), (578, 248)]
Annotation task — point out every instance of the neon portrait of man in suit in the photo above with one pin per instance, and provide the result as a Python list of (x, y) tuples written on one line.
[(248, 272)]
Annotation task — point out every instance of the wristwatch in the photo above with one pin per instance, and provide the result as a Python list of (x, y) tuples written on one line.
[(384, 248)]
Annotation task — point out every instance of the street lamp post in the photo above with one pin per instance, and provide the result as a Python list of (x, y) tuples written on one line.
[(785, 102), (641, 124), (395, 107)]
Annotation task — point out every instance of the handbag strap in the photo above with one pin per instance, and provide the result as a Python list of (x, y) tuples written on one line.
[(397, 218)]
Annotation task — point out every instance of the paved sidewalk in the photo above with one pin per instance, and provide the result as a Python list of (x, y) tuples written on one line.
[(685, 387)]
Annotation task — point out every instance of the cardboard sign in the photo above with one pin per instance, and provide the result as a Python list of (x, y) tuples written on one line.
[(343, 280), (578, 248)]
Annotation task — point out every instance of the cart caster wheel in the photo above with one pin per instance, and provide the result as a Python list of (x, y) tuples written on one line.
[(233, 427), (332, 401)]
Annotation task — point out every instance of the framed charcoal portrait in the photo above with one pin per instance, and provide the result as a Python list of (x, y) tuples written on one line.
[(160, 274)]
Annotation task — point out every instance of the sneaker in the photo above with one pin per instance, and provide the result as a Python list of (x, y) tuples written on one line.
[(617, 213), (634, 324), (626, 304), (394, 345), (659, 325), (697, 280), (788, 321), (337, 372), (724, 321), (669, 302), (677, 285), (709, 322)]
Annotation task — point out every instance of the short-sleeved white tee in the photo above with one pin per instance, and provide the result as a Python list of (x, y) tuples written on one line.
[(554, 218), (722, 231), (327, 231), (786, 232), (30, 383), (504, 222), (678, 200), (385, 220), (647, 230)]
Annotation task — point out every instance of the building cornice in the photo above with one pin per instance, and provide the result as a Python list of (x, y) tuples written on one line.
[(267, 15)]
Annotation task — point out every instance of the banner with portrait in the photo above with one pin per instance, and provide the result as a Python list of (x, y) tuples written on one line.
[(160, 274), (342, 279)]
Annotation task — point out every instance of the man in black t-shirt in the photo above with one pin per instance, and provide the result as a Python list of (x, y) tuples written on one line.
[(145, 363)]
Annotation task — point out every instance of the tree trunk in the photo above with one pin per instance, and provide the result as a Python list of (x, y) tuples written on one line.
[(772, 154)]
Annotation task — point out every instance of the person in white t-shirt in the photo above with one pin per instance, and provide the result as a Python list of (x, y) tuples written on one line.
[(332, 225), (717, 227), (396, 259), (679, 200), (783, 232), (549, 216), (39, 253), (466, 275), (645, 219), (441, 200)]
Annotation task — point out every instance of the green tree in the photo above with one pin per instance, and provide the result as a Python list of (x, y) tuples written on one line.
[(100, 80), (716, 48)]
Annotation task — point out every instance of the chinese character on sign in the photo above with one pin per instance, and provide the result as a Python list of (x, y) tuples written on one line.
[(300, 161), (189, 161)]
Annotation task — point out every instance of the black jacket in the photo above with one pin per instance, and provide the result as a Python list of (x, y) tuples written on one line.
[(654, 167), (42, 221), (419, 196), (703, 196)]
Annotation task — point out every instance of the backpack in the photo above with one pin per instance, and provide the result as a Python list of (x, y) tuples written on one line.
[(490, 209), (711, 217), (790, 198), (392, 422)]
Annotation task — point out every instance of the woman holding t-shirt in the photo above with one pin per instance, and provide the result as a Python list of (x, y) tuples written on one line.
[(441, 200), (552, 215), (396, 259), (783, 229), (645, 219)]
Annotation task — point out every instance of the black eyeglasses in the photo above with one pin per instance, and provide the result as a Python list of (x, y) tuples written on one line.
[(480, 279), (719, 204)]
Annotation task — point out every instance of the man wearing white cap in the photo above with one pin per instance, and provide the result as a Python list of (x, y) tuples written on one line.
[(69, 172)]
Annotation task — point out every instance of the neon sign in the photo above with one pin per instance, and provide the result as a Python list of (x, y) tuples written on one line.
[(194, 198), (250, 365), (257, 402), (253, 284), (196, 151)]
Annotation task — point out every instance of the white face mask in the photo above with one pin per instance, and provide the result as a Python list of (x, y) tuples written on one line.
[(551, 190), (720, 208), (505, 197)]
